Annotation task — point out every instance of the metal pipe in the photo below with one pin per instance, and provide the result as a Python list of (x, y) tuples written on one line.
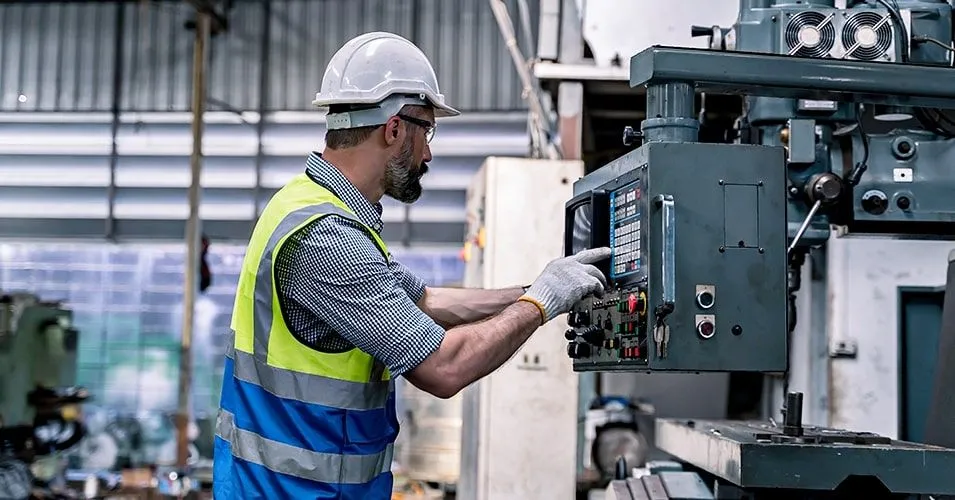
[(264, 89), (754, 4), (542, 125), (118, 71), (670, 113), (193, 231), (792, 421)]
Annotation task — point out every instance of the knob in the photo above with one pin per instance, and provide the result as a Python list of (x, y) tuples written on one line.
[(577, 351), (631, 135), (903, 202), (705, 328), (579, 318), (705, 299), (875, 202), (570, 334), (824, 187), (593, 335)]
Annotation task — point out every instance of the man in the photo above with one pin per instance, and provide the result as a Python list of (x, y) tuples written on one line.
[(325, 319)]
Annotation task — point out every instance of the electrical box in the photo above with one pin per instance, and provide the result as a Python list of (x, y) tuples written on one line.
[(519, 424), (698, 273)]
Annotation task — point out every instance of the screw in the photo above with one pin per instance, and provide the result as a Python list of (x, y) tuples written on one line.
[(721, 182), (762, 250), (722, 249), (760, 183)]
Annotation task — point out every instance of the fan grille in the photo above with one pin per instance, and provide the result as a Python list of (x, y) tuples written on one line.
[(867, 35), (807, 36)]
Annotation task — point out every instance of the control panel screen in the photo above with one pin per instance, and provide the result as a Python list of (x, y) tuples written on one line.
[(625, 230), (580, 233)]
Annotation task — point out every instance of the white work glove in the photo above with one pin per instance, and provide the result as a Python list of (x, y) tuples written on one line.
[(565, 281)]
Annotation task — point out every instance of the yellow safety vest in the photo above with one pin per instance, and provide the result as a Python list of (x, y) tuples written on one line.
[(325, 420)]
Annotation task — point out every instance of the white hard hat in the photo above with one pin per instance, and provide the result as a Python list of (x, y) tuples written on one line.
[(385, 72)]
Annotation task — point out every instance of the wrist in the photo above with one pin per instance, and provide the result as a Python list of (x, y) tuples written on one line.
[(531, 301)]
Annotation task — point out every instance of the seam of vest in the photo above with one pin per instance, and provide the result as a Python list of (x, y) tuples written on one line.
[(278, 289)]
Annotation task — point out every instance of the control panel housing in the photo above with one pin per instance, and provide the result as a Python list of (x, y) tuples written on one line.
[(698, 272)]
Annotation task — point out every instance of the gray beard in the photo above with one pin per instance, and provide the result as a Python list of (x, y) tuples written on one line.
[(402, 182)]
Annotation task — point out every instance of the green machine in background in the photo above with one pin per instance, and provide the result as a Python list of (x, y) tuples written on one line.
[(37, 357)]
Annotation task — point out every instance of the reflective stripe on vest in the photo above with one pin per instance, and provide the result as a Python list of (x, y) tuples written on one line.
[(310, 388), (259, 368), (310, 465)]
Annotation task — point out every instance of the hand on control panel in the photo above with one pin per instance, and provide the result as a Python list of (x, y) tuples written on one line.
[(565, 281)]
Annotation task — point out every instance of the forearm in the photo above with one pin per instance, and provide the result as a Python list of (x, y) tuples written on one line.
[(473, 351), (451, 307)]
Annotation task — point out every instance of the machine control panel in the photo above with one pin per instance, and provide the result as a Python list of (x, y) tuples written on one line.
[(613, 326), (697, 277)]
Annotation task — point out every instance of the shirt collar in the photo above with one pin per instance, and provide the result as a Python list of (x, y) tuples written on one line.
[(327, 175)]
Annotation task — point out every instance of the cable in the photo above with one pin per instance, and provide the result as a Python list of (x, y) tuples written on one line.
[(900, 25), (856, 175), (927, 39)]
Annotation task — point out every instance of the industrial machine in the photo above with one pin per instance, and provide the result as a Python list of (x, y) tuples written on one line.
[(39, 402), (708, 238)]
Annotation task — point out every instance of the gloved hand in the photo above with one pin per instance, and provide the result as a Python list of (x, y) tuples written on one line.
[(566, 280)]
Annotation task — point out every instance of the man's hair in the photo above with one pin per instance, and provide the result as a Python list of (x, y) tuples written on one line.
[(351, 137)]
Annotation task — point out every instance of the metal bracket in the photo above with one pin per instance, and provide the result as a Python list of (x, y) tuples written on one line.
[(847, 349)]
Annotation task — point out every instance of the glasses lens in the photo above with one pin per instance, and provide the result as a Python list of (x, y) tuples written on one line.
[(429, 134)]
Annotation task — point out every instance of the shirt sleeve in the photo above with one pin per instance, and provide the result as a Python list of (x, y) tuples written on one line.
[(339, 275), (412, 283)]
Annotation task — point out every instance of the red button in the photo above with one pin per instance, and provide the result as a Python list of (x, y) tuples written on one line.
[(632, 303)]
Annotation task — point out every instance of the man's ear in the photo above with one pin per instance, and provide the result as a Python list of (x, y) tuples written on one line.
[(393, 131)]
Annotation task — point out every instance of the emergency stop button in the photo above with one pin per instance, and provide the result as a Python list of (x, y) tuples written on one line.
[(631, 303)]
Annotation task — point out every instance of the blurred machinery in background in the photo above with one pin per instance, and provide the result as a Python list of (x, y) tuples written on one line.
[(708, 238), (39, 403)]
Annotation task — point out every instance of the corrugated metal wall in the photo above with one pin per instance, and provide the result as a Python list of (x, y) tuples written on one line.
[(57, 178), (59, 173), (62, 57)]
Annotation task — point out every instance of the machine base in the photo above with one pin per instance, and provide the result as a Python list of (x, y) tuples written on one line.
[(764, 456)]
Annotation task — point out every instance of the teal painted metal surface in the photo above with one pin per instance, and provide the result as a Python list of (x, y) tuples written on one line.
[(920, 321)]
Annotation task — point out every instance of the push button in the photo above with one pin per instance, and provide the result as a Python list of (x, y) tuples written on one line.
[(632, 303), (706, 329)]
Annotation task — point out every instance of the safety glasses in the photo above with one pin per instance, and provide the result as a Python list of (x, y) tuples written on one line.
[(426, 125)]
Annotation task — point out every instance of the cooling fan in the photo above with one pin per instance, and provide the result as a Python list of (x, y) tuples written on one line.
[(867, 35), (861, 34), (810, 33)]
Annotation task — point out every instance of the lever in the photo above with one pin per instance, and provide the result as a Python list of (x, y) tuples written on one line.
[(805, 225), (696, 31)]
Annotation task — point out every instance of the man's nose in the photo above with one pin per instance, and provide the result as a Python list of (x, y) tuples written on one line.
[(427, 153)]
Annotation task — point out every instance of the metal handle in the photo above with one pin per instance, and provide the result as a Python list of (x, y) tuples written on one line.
[(668, 229)]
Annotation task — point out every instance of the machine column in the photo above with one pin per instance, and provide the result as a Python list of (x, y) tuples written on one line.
[(670, 113)]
